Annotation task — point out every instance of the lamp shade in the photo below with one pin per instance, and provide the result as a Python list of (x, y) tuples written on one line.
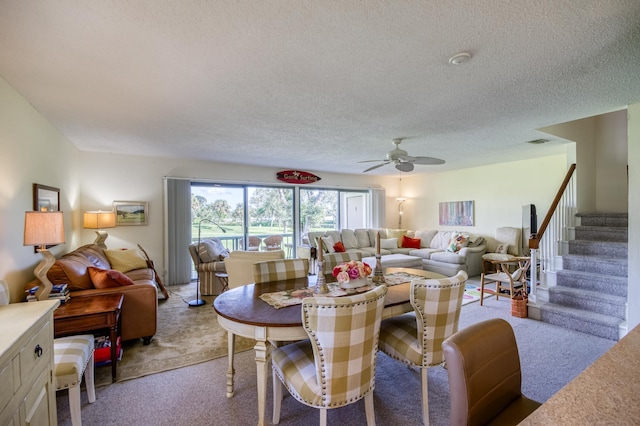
[(99, 220), (43, 228)]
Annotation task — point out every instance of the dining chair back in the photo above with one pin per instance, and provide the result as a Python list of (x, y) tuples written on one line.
[(282, 269), (416, 338), (239, 265), (273, 242), (254, 243), (336, 365), (483, 366)]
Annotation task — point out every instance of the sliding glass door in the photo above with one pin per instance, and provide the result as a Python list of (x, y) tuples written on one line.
[(256, 218)]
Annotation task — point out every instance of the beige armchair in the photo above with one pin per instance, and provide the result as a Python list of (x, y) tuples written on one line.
[(239, 265)]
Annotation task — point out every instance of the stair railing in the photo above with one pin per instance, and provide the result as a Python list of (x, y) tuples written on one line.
[(546, 244)]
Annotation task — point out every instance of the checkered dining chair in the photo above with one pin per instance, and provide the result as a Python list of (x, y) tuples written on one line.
[(281, 269), (336, 365), (416, 338)]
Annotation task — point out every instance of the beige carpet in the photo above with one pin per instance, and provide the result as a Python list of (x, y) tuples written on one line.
[(185, 336)]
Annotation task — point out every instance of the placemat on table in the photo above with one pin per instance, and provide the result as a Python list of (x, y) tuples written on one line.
[(284, 298)]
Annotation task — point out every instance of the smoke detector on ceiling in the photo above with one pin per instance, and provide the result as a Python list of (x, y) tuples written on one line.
[(459, 58)]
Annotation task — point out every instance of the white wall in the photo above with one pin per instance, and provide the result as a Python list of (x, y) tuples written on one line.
[(499, 191), (33, 151)]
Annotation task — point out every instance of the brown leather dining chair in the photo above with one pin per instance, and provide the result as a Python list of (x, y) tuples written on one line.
[(483, 366)]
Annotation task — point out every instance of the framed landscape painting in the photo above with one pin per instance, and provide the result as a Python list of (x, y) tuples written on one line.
[(131, 212)]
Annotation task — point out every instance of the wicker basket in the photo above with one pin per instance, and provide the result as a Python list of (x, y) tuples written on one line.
[(519, 304)]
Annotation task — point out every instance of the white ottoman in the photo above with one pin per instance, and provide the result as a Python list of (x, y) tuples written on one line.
[(395, 261)]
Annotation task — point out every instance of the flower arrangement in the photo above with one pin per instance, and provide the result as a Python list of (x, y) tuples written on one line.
[(351, 270)]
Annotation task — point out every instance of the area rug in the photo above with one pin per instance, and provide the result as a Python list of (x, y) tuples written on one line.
[(471, 294), (185, 336)]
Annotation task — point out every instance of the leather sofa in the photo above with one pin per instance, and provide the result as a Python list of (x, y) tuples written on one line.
[(140, 304), (433, 248)]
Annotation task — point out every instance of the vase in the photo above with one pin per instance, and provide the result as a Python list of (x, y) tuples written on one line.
[(358, 282)]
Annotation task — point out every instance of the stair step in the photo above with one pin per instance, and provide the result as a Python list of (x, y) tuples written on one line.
[(596, 264), (589, 281), (604, 219), (593, 301), (591, 323), (609, 248), (601, 233)]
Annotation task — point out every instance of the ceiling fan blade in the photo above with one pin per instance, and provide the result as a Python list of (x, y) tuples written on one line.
[(427, 160), (373, 167), (404, 166), (369, 161)]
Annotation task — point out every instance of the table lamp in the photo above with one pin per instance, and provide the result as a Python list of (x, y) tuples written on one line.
[(99, 220), (42, 229)]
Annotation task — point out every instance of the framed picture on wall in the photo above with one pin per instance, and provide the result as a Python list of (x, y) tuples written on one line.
[(456, 213), (45, 199), (131, 212)]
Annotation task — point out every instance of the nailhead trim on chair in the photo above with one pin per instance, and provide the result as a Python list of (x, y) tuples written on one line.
[(71, 355)]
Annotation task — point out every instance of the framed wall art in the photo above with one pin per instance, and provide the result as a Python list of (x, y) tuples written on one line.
[(131, 212), (45, 199), (456, 213)]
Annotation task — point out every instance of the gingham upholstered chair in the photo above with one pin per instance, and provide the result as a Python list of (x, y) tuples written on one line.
[(336, 365), (276, 270), (483, 366), (73, 357), (416, 338)]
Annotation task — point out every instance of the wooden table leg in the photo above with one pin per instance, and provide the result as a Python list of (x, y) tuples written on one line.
[(113, 336), (262, 362), (230, 370)]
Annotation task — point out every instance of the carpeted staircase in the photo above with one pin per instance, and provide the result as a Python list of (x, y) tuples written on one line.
[(591, 291)]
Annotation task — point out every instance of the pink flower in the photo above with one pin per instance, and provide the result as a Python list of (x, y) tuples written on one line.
[(354, 273)]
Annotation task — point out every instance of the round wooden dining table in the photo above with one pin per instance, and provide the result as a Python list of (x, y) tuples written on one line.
[(242, 312)]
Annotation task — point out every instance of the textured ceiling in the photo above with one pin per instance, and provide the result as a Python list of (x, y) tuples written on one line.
[(320, 85)]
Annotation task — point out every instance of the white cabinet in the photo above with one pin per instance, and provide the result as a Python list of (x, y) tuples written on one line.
[(27, 393)]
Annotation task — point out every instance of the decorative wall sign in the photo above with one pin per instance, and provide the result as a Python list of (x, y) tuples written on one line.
[(296, 177), (456, 213)]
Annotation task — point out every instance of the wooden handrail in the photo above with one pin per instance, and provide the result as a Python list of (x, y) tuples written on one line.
[(534, 239)]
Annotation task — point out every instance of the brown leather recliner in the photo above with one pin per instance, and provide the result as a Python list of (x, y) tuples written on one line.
[(485, 380), (140, 304)]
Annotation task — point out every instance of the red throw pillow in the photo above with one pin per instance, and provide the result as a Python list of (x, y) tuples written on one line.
[(107, 278), (339, 247), (410, 242)]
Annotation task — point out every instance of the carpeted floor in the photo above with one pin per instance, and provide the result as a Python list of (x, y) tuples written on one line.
[(195, 395), (185, 336)]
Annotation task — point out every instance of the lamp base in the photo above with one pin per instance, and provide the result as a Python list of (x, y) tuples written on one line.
[(101, 237), (197, 302), (41, 273)]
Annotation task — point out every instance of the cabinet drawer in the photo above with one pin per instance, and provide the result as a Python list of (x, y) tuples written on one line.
[(37, 354), (10, 379)]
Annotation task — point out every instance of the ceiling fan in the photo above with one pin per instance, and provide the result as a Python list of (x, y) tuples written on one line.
[(402, 161)]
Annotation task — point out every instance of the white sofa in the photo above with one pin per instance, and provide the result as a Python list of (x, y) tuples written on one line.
[(432, 251)]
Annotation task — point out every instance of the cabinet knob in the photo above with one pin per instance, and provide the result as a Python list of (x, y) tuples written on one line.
[(38, 351)]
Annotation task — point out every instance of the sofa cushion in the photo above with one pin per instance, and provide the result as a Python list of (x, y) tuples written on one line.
[(147, 274), (211, 250), (425, 237), (458, 240), (502, 248), (441, 240), (424, 253), (107, 278), (373, 235), (448, 257), (327, 244), (408, 242), (339, 247), (335, 235), (362, 235), (313, 238), (349, 239), (397, 234), (125, 260), (388, 243)]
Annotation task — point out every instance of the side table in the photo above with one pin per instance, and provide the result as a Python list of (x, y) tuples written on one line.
[(89, 314), (224, 280)]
